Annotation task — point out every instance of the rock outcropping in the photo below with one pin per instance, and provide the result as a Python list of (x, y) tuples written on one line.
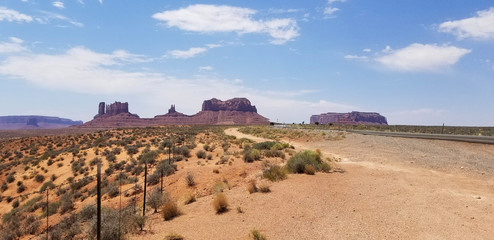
[(35, 122), (236, 111), (367, 118)]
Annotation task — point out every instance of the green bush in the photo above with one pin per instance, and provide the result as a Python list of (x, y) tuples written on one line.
[(201, 154), (297, 163), (264, 145), (274, 173), (251, 155)]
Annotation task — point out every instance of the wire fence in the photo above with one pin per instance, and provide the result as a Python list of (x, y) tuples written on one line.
[(140, 181)]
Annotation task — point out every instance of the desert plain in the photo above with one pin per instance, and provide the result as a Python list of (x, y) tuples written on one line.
[(378, 188)]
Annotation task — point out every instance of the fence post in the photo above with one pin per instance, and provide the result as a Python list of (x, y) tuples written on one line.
[(98, 209), (145, 181), (47, 212)]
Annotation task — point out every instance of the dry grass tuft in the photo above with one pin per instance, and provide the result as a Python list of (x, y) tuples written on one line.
[(256, 235), (264, 188), (251, 186), (220, 203), (169, 210), (189, 178), (309, 169), (174, 236), (189, 198)]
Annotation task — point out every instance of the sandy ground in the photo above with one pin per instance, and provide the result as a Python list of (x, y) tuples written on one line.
[(392, 188)]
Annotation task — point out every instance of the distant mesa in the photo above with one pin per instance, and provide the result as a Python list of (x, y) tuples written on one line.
[(35, 122), (366, 118), (236, 111)]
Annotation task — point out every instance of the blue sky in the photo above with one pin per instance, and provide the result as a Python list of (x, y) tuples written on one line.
[(414, 61)]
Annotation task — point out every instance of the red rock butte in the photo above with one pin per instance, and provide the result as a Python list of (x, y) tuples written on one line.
[(236, 111)]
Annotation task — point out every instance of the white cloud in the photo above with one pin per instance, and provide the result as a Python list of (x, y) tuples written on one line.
[(367, 50), (332, 1), (480, 27), (15, 45), (49, 17), (100, 1), (422, 57), (329, 11), (81, 70), (10, 15), (355, 57), (58, 5), (184, 54), (212, 18), (206, 68)]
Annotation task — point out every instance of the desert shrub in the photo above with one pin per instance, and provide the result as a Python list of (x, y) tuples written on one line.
[(223, 160), (264, 145), (87, 212), (225, 146), (167, 168), (189, 198), (169, 210), (131, 150), (66, 203), (4, 186), (256, 235), (274, 173), (220, 203), (39, 178), (264, 188), (184, 151), (189, 178), (251, 155), (298, 162), (156, 199), (15, 204), (201, 154), (150, 157), (251, 186), (309, 169), (209, 156), (216, 170), (110, 157), (110, 228), (154, 178), (95, 161), (137, 170), (174, 236), (21, 188), (52, 208), (219, 186), (10, 178), (112, 190), (31, 225), (274, 153)]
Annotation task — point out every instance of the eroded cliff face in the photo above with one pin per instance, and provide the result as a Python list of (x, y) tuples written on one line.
[(236, 111), (370, 118)]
